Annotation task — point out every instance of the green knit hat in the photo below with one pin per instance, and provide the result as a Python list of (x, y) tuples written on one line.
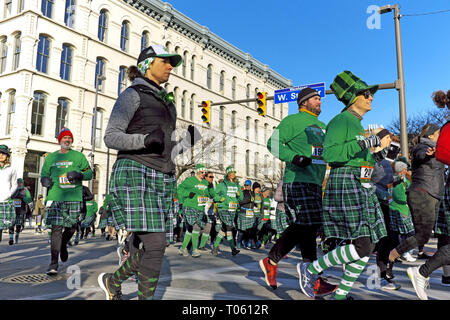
[(230, 169), (346, 86), (200, 167), (4, 149)]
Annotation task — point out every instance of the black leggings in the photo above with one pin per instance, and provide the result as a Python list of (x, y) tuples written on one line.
[(59, 239), (386, 244), (18, 229), (439, 259)]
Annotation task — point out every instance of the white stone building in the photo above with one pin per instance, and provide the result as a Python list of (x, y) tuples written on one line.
[(51, 52)]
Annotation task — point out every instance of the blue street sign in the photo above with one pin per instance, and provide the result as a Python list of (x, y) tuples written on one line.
[(290, 94)]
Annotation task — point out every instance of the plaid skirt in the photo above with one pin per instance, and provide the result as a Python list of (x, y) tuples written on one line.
[(20, 219), (443, 218), (244, 222), (281, 222), (141, 197), (401, 223), (7, 214), (193, 216), (227, 217), (63, 213), (351, 211), (103, 223), (303, 201)]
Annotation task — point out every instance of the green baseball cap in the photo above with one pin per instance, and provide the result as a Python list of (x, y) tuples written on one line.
[(346, 86), (200, 167), (158, 51), (230, 169), (5, 150)]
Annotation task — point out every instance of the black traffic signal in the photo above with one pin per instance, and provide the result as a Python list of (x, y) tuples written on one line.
[(261, 102)]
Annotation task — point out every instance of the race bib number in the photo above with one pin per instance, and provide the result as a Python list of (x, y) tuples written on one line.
[(249, 213), (17, 203), (366, 174), (316, 155), (64, 183), (202, 201), (232, 205)]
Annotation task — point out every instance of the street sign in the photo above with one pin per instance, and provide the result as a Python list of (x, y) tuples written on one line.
[(290, 94)]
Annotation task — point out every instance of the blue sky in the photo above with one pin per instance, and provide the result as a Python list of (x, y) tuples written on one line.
[(313, 41)]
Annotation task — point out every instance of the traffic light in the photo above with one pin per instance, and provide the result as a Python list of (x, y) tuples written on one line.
[(206, 105), (261, 102)]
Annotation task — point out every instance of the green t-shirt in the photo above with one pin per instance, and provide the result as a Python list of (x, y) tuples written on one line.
[(201, 193), (227, 195), (399, 197), (341, 146), (300, 134), (91, 208), (258, 204), (56, 166), (266, 206)]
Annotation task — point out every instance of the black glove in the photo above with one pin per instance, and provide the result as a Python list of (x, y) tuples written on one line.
[(74, 176), (371, 141), (46, 182), (194, 134), (301, 161), (154, 141), (191, 195)]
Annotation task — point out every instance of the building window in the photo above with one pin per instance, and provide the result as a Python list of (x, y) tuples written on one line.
[(122, 79), (183, 105), (99, 72), (247, 163), (256, 130), (66, 62), (20, 6), (222, 82), (185, 56), (256, 94), (221, 118), (11, 111), (233, 89), (247, 128), (281, 111), (255, 164), (8, 6), (102, 25), (124, 36), (209, 76), (3, 54), (61, 115), (273, 109), (247, 94), (37, 114), (233, 120), (69, 13), (16, 57), (233, 156), (265, 132), (46, 8), (98, 128), (177, 51), (191, 110), (192, 67), (144, 40), (43, 54)]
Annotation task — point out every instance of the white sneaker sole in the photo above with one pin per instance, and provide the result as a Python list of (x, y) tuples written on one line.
[(261, 265), (411, 277), (102, 286)]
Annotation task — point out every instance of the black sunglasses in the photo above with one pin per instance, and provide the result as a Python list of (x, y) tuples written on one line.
[(210, 176), (366, 94)]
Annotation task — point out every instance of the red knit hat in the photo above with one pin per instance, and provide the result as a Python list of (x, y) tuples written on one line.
[(64, 132)]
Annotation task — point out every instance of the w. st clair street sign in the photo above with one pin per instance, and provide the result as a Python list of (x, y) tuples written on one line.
[(290, 94)]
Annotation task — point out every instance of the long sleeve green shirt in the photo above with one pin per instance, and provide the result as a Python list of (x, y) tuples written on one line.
[(341, 146), (227, 195), (300, 134), (56, 166), (399, 197), (201, 193), (91, 208)]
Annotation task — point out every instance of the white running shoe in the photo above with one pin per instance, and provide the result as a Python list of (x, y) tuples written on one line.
[(408, 257), (419, 282)]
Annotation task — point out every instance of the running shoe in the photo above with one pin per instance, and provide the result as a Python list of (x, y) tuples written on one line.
[(388, 285), (110, 293), (235, 251), (64, 254), (195, 254), (408, 257), (270, 272), (215, 251), (202, 249), (183, 252), (52, 271), (420, 283), (323, 288), (307, 280), (445, 281), (423, 256)]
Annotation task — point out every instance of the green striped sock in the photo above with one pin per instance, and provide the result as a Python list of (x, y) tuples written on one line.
[(126, 270), (204, 240), (187, 238), (195, 236), (218, 240), (146, 287), (351, 274), (340, 255), (230, 241)]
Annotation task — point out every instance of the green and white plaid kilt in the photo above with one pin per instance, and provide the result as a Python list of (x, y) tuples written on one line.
[(227, 217), (63, 213), (141, 197), (7, 214), (88, 221), (443, 218), (244, 222), (103, 223), (303, 201), (20, 219), (400, 223), (193, 216), (281, 222), (351, 211)]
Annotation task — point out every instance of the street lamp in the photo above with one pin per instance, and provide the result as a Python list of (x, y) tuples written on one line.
[(98, 78), (400, 82)]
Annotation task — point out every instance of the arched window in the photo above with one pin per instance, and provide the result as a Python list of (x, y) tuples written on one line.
[(3, 54), (98, 128), (273, 109), (99, 72), (221, 118), (281, 111), (247, 127), (266, 126), (233, 88), (175, 96), (177, 50), (192, 68), (122, 83), (69, 14), (233, 120), (191, 109), (47, 7), (185, 57), (11, 111), (233, 156), (16, 53), (209, 76), (43, 53), (247, 163), (8, 8), (66, 63), (256, 131), (62, 111), (102, 25), (183, 104), (124, 36), (255, 164), (38, 113), (247, 94), (222, 82), (144, 40), (20, 6)]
